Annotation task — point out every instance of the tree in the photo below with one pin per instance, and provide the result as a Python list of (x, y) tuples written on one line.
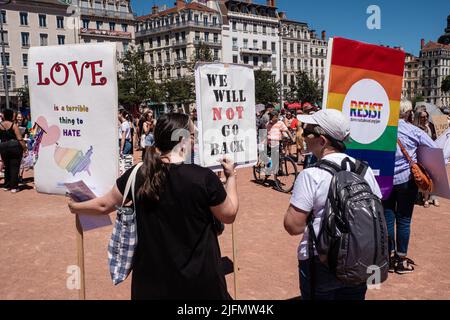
[(135, 83), (24, 96), (266, 88), (305, 89), (446, 84), (180, 91), (202, 54), (417, 99)]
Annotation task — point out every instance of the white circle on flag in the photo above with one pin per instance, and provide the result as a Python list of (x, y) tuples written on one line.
[(367, 107)]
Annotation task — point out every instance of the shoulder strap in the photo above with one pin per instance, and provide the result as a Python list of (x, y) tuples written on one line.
[(131, 184), (361, 167), (329, 166), (405, 153)]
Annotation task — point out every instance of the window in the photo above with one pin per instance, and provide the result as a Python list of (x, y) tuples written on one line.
[(255, 44), (61, 40), (5, 58), (86, 23), (285, 78), (24, 18), (264, 45), (214, 21), (4, 16), (167, 38), (158, 40), (274, 63), (245, 59), (234, 26), (264, 59), (43, 39), (216, 38), (274, 47), (235, 59), (42, 20), (206, 36), (124, 27), (235, 43), (60, 22), (292, 48), (25, 39), (197, 36), (216, 54), (99, 25), (183, 36), (255, 61), (205, 21), (245, 43), (292, 79), (196, 19), (245, 27), (5, 37), (264, 30), (25, 60), (25, 80), (112, 26), (255, 28)]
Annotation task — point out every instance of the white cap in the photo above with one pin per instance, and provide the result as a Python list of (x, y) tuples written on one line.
[(331, 121)]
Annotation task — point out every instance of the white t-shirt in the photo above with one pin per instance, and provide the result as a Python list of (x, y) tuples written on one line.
[(311, 192), (125, 127)]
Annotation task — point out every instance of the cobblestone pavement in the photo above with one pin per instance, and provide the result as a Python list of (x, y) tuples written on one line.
[(38, 245)]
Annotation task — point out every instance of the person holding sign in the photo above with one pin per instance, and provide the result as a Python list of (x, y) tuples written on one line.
[(177, 207)]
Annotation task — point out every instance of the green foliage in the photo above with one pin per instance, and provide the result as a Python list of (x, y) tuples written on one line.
[(305, 90), (266, 88), (446, 84), (24, 96)]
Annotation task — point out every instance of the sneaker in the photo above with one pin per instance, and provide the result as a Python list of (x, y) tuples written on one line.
[(405, 265), (14, 190)]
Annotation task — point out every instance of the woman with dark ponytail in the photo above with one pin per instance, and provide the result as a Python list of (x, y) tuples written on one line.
[(178, 255)]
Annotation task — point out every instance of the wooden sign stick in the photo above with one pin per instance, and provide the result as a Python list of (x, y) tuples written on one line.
[(80, 252), (235, 263)]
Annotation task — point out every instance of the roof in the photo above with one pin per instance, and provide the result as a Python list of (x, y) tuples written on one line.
[(434, 45), (185, 6)]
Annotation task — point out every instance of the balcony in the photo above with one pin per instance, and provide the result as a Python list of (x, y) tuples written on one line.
[(212, 43), (264, 67), (105, 33), (176, 43), (256, 51), (180, 59), (175, 26), (107, 13)]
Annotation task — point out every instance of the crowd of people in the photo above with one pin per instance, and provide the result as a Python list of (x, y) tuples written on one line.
[(178, 204)]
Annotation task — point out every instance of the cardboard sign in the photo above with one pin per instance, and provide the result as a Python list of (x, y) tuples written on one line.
[(440, 124), (433, 161), (73, 92), (364, 81), (226, 114)]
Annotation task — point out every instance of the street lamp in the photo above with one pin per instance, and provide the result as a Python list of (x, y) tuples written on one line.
[(5, 70), (282, 33)]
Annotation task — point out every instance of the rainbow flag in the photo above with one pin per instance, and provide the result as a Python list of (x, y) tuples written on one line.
[(364, 81)]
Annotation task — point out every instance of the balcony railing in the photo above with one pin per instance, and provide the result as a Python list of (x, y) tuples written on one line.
[(208, 42), (107, 13), (179, 42), (143, 32), (256, 51), (106, 33)]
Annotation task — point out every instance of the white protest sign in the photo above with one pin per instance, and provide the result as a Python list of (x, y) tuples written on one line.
[(443, 142), (440, 124), (226, 114), (73, 92)]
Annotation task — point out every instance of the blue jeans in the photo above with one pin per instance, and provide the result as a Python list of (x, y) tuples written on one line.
[(398, 209), (327, 286), (127, 148)]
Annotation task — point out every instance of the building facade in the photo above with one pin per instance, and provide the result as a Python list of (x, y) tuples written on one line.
[(434, 68), (250, 35), (411, 77), (27, 24), (107, 21), (171, 38)]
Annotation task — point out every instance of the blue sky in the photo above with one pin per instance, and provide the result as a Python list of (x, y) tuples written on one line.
[(403, 22)]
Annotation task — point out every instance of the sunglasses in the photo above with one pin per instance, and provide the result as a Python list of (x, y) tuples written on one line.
[(307, 132)]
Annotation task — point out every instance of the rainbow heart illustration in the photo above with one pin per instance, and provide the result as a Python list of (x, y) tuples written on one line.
[(52, 133)]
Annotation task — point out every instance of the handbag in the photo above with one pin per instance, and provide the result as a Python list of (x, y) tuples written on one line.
[(124, 238), (420, 174)]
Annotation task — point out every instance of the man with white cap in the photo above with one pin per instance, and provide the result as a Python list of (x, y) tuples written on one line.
[(324, 134)]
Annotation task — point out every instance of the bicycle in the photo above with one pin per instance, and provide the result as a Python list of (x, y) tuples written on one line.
[(286, 174)]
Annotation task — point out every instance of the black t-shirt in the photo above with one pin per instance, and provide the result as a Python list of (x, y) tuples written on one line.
[(178, 254)]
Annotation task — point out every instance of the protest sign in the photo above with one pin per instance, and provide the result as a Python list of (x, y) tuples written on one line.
[(433, 161), (226, 114), (73, 92), (443, 142), (440, 124), (364, 81)]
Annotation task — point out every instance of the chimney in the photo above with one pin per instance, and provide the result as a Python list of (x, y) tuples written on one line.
[(324, 35), (422, 43), (155, 9), (180, 4), (271, 3)]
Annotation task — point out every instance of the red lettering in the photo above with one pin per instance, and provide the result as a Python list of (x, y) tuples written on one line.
[(103, 80), (46, 81), (230, 114), (240, 110), (217, 113), (57, 67), (75, 70)]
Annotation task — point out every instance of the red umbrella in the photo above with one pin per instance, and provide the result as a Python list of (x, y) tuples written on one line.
[(307, 105), (295, 105)]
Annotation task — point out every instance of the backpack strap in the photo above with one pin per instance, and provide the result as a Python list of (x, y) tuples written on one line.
[(329, 166), (361, 167)]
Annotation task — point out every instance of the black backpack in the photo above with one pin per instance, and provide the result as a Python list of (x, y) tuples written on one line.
[(352, 240)]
